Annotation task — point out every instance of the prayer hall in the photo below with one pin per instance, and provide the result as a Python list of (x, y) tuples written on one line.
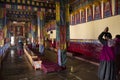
[(59, 39)]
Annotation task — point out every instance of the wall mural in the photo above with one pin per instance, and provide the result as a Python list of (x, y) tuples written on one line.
[(107, 9), (97, 11), (90, 13), (117, 7), (78, 17), (83, 16), (93, 11), (73, 19)]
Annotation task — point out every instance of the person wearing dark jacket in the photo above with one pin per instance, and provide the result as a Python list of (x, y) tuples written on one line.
[(117, 54), (20, 48)]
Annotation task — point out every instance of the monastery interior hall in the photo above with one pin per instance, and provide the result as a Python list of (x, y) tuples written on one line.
[(59, 39)]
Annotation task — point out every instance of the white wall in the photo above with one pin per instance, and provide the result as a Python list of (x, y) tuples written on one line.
[(91, 30)]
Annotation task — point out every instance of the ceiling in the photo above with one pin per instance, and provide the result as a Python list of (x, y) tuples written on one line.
[(48, 1), (22, 15), (53, 1)]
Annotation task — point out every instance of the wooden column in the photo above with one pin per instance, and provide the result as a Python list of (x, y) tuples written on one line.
[(62, 30), (40, 22)]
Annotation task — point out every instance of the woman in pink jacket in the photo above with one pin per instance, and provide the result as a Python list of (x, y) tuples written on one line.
[(106, 69)]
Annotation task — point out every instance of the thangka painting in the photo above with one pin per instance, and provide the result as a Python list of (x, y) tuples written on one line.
[(70, 19), (77, 17), (117, 7), (73, 19), (83, 16), (107, 10), (89, 13), (97, 11)]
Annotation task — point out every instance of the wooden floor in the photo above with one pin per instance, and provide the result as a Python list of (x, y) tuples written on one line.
[(19, 68)]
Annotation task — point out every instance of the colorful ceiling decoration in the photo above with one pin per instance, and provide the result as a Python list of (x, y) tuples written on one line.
[(21, 10), (32, 3)]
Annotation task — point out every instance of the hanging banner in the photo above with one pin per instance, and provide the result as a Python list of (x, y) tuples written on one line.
[(19, 7), (37, 3), (75, 16), (67, 12), (14, 7), (97, 11), (63, 37), (7, 0), (33, 3), (1, 13), (83, 16), (117, 7), (28, 2), (89, 13), (57, 11), (23, 1), (29, 8), (1, 35), (19, 1), (107, 9), (71, 19), (13, 1), (23, 7)]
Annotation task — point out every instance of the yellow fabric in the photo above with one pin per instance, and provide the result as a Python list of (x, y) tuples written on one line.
[(37, 4), (57, 11), (67, 12), (33, 3), (1, 13), (41, 15), (82, 9), (7, 0), (13, 1), (28, 2), (105, 1), (23, 1), (41, 4), (18, 1)]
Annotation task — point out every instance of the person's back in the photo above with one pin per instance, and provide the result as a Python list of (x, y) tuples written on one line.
[(20, 45), (20, 48)]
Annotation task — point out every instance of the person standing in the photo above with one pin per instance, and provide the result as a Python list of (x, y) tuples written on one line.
[(20, 48), (117, 54), (106, 70)]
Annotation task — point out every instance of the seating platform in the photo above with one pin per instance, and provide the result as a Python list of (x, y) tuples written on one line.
[(39, 62)]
